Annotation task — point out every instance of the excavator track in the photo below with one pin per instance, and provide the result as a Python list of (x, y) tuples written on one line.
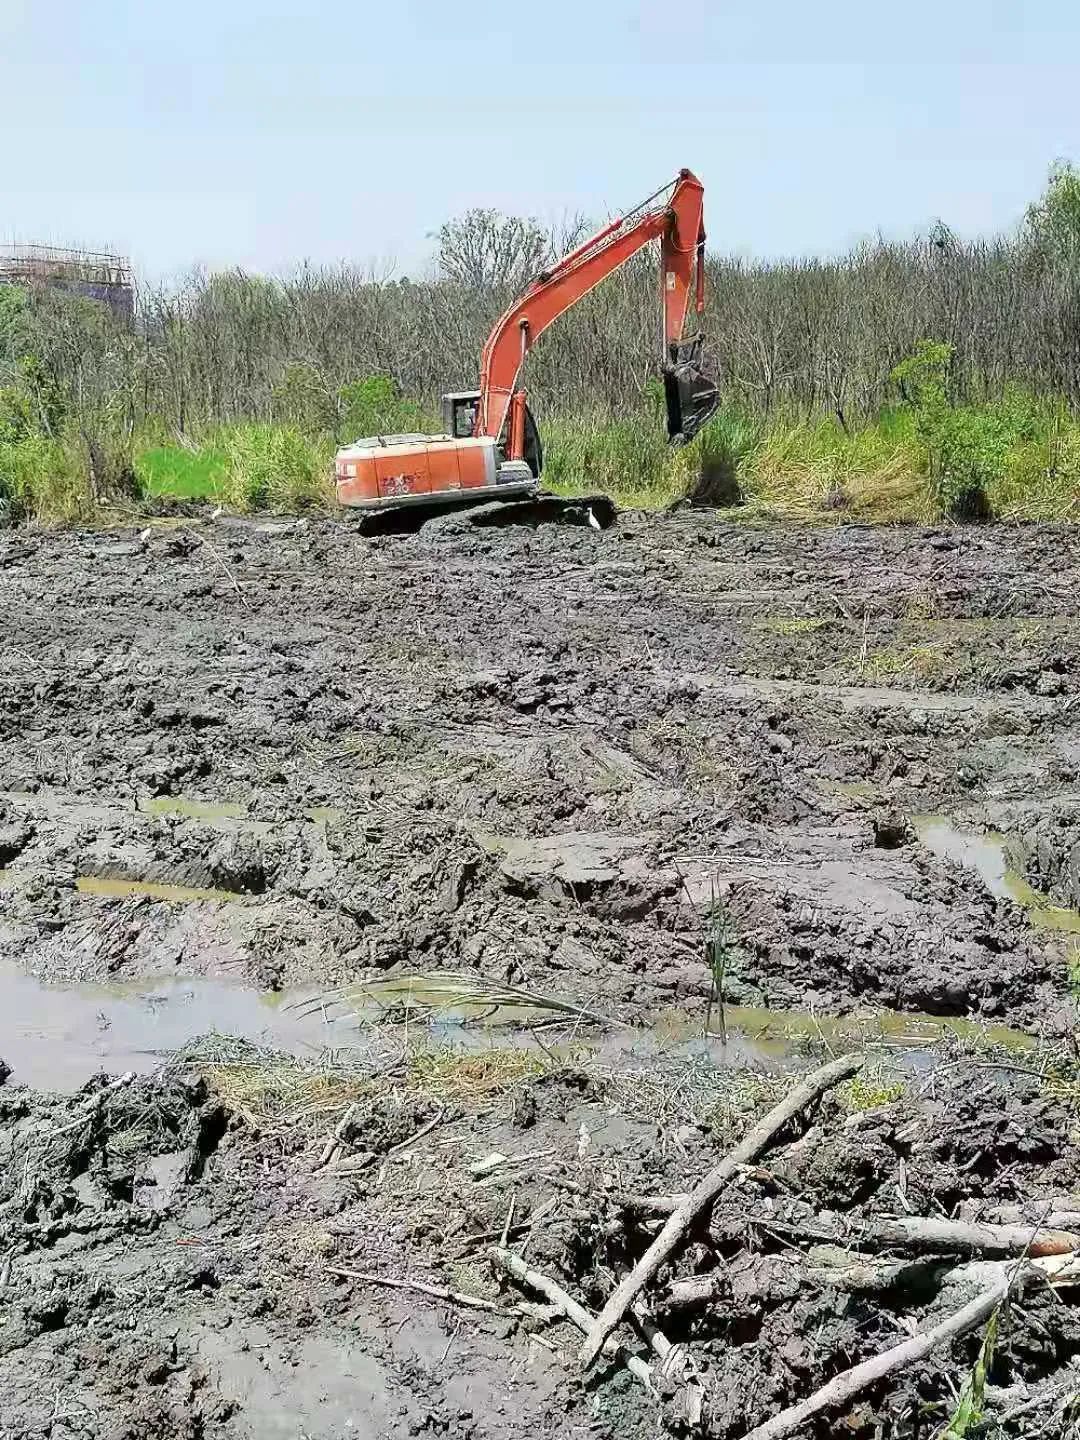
[(597, 511)]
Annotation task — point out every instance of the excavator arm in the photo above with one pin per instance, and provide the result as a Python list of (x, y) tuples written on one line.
[(679, 226)]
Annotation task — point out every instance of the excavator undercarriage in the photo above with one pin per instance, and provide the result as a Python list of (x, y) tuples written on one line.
[(490, 454)]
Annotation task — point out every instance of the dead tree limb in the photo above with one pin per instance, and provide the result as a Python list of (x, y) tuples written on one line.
[(928, 1234), (902, 1232), (919, 1233), (844, 1387), (827, 1266), (512, 1265), (705, 1192)]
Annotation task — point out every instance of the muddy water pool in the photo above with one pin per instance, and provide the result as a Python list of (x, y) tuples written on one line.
[(57, 1037)]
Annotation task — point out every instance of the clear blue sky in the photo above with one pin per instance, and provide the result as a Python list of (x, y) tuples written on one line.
[(260, 133)]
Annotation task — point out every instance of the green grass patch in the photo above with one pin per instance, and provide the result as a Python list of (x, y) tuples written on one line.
[(750, 469), (276, 467), (176, 472), (868, 1092), (43, 479), (243, 467), (629, 459)]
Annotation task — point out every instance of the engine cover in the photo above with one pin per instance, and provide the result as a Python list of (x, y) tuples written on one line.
[(382, 471)]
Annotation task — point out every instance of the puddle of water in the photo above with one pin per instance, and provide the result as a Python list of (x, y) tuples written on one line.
[(190, 809), (782, 1030), (773, 1033), (324, 815), (987, 854), (116, 888), (57, 1037)]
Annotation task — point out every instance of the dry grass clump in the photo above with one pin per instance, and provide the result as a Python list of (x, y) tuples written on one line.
[(466, 1076), (282, 1091)]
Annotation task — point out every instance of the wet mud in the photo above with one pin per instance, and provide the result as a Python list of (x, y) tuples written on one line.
[(292, 754), (813, 787)]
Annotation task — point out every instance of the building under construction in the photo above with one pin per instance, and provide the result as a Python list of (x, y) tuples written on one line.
[(92, 274)]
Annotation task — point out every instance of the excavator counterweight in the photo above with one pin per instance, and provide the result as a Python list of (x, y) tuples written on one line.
[(491, 448)]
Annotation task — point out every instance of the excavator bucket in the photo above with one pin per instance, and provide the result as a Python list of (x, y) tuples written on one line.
[(692, 395)]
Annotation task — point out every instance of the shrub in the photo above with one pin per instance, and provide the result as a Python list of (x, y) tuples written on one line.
[(965, 448), (274, 467), (725, 450), (375, 405), (39, 478)]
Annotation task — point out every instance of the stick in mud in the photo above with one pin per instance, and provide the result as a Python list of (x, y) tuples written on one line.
[(436, 1292), (512, 1265), (845, 1386), (94, 1104), (917, 1233), (706, 1191)]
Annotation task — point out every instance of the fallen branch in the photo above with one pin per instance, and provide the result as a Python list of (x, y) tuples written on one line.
[(512, 1265), (902, 1232), (772, 1277), (844, 1387), (913, 1231), (436, 1292), (705, 1192), (928, 1233), (1001, 1277)]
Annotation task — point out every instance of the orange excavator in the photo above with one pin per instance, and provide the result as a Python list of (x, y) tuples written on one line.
[(491, 448)]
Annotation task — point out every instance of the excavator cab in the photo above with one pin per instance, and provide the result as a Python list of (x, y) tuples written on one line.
[(691, 395), (459, 411)]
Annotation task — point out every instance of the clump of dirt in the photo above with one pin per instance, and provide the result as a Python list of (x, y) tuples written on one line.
[(1052, 848)]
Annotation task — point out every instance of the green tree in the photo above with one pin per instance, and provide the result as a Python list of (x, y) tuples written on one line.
[(374, 405), (1053, 221)]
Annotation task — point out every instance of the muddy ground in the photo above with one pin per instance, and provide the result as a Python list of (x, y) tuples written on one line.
[(833, 770)]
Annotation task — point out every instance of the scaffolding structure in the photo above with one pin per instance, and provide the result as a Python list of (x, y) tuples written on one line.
[(96, 275)]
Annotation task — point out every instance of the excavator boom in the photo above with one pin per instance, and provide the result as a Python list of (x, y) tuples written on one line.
[(679, 226)]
